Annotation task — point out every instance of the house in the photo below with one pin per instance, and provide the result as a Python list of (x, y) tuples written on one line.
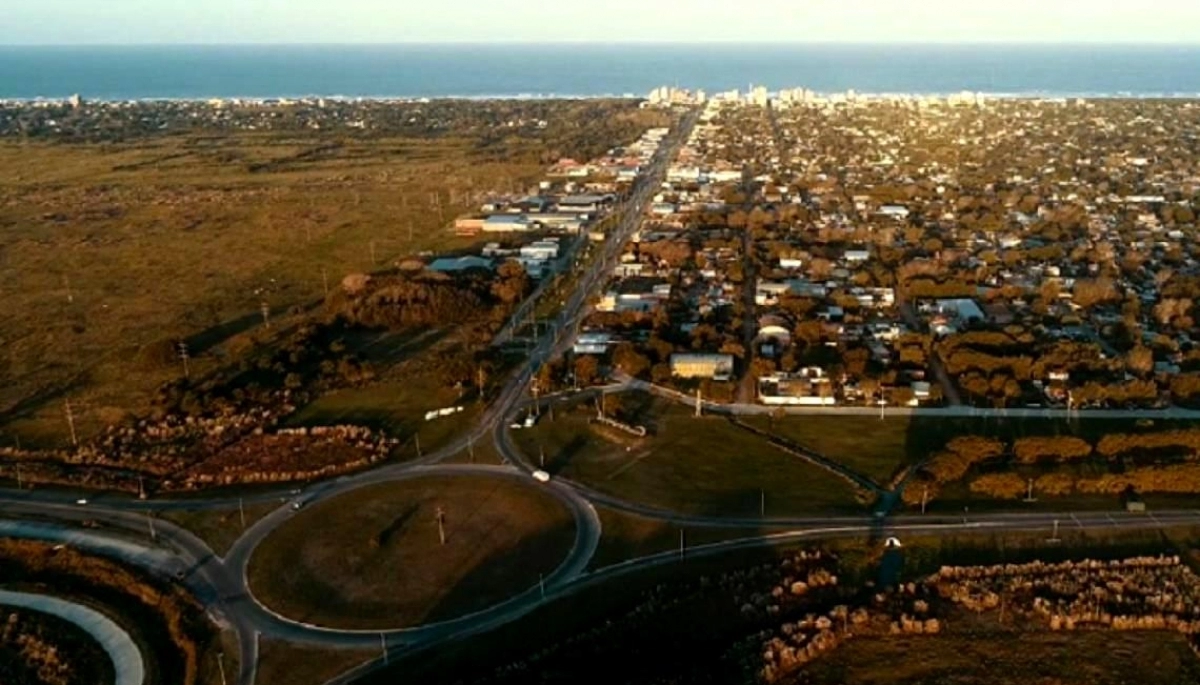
[(894, 211), (506, 223), (468, 226), (807, 387), (856, 255), (456, 264), (790, 262), (692, 365), (542, 250), (583, 204), (593, 342), (768, 292)]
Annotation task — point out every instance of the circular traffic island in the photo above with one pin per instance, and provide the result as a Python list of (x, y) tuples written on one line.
[(411, 552)]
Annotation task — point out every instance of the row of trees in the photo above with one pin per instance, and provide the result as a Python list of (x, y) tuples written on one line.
[(1167, 461)]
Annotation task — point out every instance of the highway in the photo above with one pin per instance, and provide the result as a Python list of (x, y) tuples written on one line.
[(221, 583)]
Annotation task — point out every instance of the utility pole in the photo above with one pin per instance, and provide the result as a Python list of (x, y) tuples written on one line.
[(1054, 537), (762, 503), (141, 487), (221, 665), (924, 497), (699, 403), (441, 521), (242, 511), (265, 309), (71, 423), (383, 648), (417, 440), (471, 447), (183, 355), (681, 543)]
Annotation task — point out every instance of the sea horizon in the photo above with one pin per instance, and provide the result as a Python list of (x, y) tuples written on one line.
[(500, 70)]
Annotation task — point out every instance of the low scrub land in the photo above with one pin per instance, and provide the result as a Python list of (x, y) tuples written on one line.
[(1088, 658), (165, 619), (381, 562), (39, 649)]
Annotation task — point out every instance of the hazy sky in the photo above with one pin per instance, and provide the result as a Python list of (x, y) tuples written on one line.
[(396, 21)]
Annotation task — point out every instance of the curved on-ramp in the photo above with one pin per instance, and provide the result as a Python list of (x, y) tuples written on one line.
[(112, 638)]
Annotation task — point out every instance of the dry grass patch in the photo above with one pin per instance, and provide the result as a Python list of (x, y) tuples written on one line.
[(372, 559)]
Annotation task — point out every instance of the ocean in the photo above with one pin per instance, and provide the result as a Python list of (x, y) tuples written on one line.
[(584, 70)]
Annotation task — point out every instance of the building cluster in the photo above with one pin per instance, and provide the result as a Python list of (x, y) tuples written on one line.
[(77, 118), (544, 228), (908, 251), (761, 96)]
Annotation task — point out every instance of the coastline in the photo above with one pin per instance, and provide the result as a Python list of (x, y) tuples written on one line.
[(314, 98)]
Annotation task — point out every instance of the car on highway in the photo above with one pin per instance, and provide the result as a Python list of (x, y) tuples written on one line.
[(541, 476), (298, 505), (81, 501)]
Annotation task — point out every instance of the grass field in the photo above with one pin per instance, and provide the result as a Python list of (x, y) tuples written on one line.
[(373, 560), (876, 449), (108, 248), (284, 663), (1011, 658), (219, 528), (397, 407), (628, 537), (690, 465)]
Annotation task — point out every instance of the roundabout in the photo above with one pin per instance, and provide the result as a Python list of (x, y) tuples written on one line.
[(422, 550)]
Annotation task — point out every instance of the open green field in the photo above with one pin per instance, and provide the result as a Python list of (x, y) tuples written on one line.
[(690, 465), (373, 559), (1010, 658), (876, 449)]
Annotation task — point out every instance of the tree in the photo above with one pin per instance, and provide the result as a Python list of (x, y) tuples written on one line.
[(1140, 360), (999, 485), (1090, 292), (627, 358)]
